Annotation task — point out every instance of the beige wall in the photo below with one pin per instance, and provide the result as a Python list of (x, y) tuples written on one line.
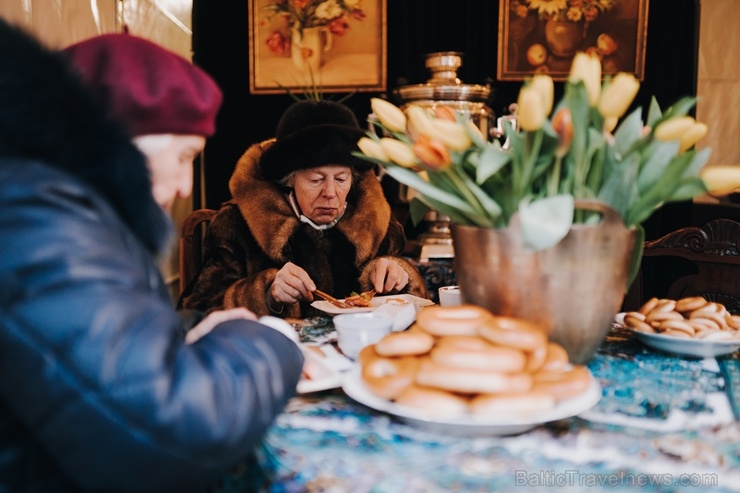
[(59, 23), (719, 79)]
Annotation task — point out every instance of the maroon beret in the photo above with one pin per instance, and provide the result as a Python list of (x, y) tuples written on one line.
[(147, 88)]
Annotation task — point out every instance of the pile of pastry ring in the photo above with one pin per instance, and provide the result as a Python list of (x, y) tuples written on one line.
[(692, 317), (463, 359)]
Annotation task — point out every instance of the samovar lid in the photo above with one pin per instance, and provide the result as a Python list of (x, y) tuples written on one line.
[(444, 84)]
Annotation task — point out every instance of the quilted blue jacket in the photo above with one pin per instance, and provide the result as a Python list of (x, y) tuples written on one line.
[(98, 391)]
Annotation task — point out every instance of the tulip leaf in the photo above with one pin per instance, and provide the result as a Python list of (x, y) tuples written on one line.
[(680, 108), (687, 189), (636, 256), (546, 221), (698, 160), (655, 114), (628, 133), (417, 210), (490, 162), (656, 158), (620, 182), (445, 202)]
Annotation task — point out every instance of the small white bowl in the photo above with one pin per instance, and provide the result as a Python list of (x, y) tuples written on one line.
[(357, 330)]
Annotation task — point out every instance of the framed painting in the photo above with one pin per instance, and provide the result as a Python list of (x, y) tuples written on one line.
[(542, 36), (305, 45)]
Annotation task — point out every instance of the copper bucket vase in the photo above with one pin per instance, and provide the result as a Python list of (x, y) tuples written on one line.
[(573, 289)]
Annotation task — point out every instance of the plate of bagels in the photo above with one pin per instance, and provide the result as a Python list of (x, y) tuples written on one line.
[(463, 370), (691, 326)]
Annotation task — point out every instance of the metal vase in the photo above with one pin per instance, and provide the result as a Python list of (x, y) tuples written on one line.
[(573, 289)]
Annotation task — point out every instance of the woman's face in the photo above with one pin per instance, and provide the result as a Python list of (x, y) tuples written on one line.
[(321, 192), (170, 158)]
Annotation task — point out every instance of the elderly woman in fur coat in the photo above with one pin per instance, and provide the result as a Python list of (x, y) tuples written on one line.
[(305, 215)]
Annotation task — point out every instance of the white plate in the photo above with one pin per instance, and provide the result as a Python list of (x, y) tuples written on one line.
[(376, 302), (697, 348), (325, 377), (471, 424)]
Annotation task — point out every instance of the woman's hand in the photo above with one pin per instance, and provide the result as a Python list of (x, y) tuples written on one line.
[(291, 284), (213, 319), (388, 276)]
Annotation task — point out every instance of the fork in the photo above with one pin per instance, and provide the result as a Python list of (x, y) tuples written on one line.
[(331, 299)]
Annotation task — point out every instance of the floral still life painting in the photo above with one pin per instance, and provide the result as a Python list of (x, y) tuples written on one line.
[(338, 45), (542, 36)]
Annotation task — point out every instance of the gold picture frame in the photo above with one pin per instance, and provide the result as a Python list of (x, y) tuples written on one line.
[(305, 45), (534, 39)]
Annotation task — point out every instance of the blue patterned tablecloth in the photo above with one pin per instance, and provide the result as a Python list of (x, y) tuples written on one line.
[(664, 423)]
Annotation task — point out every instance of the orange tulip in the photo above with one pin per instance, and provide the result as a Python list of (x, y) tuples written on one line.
[(432, 153)]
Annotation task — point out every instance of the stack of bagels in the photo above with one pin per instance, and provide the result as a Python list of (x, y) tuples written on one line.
[(463, 359), (691, 317)]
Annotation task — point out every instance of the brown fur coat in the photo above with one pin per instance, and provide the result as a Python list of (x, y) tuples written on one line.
[(257, 232)]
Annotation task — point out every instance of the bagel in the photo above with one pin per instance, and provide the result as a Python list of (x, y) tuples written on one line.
[(557, 358), (649, 306), (509, 404), (452, 320), (715, 335), (677, 325), (465, 381), (514, 332), (701, 324), (491, 358), (655, 317), (665, 305), (434, 402), (635, 323), (387, 377), (710, 315), (690, 304), (536, 358), (408, 343), (562, 384), (733, 321)]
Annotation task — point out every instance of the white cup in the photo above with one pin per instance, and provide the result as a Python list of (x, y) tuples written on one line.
[(449, 296), (357, 330)]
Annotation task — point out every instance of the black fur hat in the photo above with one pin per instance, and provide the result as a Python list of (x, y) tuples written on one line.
[(310, 134)]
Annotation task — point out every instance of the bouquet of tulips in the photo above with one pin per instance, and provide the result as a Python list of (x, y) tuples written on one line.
[(585, 147)]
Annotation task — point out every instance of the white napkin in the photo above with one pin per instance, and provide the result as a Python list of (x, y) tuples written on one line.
[(402, 315)]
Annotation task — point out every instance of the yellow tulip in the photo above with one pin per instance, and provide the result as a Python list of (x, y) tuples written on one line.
[(694, 134), (451, 134), (472, 127), (389, 115), (419, 121), (618, 96), (674, 128), (610, 123), (587, 68), (530, 109), (721, 180), (444, 113), (372, 148), (544, 85), (400, 153)]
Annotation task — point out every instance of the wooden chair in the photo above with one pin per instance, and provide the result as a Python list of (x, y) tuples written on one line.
[(192, 234), (693, 261)]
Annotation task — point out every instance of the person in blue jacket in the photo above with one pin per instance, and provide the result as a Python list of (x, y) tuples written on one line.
[(103, 387)]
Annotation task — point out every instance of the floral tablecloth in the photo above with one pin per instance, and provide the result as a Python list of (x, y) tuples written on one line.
[(664, 423)]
